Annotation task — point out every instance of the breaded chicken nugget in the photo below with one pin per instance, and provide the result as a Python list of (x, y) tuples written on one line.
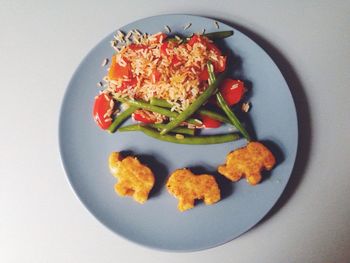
[(248, 161), (134, 178), (187, 187)]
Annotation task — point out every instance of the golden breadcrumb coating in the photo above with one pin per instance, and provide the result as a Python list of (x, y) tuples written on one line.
[(134, 178), (187, 187), (248, 161)]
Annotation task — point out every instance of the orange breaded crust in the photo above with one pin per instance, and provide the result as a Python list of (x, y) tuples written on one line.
[(134, 178), (187, 187), (248, 161)]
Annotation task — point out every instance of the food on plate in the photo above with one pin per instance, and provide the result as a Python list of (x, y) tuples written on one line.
[(134, 178), (168, 80), (187, 187), (248, 162)]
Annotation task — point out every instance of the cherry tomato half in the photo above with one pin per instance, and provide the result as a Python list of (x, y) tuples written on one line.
[(204, 75), (163, 48), (209, 122), (136, 47), (232, 90), (126, 84), (101, 105), (116, 71), (220, 65), (142, 118)]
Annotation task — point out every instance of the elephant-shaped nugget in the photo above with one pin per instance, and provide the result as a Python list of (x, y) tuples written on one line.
[(248, 161), (134, 178), (187, 187)]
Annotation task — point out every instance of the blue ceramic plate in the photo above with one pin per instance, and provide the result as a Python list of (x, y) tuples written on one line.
[(158, 224)]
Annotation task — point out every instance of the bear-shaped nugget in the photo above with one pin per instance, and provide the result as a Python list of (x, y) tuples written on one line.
[(134, 178), (248, 161), (187, 187)]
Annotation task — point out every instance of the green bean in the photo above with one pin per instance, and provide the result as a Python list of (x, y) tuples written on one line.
[(219, 35), (136, 127), (208, 139), (182, 130), (120, 119), (160, 103), (183, 116), (147, 106), (212, 114), (230, 114)]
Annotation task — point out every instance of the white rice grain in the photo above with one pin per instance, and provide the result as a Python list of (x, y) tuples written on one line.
[(187, 26), (167, 28), (104, 62), (216, 24)]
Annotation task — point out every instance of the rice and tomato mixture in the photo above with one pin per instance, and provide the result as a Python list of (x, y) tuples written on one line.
[(162, 67)]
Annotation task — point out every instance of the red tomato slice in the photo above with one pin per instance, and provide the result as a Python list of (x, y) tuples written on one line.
[(194, 39), (175, 61), (117, 71), (204, 75), (142, 118), (127, 83), (163, 48), (101, 106), (209, 122), (232, 90), (136, 47), (220, 65), (213, 47)]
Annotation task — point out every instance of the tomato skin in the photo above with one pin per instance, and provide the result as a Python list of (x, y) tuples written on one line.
[(204, 75), (117, 71), (142, 118), (194, 39), (220, 66), (136, 47), (232, 90), (163, 48), (101, 106), (175, 61), (211, 46), (209, 122), (126, 83)]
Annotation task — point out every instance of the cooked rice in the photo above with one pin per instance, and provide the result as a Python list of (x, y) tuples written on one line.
[(178, 84)]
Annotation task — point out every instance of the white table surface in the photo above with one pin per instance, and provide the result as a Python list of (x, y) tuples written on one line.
[(41, 44)]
